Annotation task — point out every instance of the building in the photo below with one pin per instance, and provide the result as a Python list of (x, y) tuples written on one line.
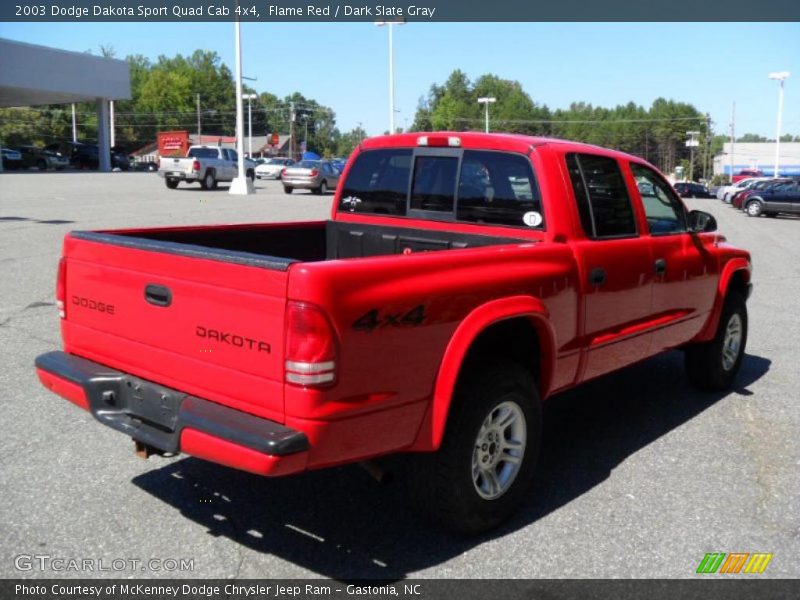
[(759, 156), (33, 75)]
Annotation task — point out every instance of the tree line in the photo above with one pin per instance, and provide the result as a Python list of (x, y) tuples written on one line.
[(166, 94)]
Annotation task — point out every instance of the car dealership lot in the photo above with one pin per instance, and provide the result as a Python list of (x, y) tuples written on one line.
[(640, 475)]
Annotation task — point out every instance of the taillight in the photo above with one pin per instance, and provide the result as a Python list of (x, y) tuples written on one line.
[(310, 346), (439, 140), (61, 288), (314, 172), (283, 172), (196, 166)]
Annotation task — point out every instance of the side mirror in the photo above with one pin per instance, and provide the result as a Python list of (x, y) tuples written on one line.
[(701, 221)]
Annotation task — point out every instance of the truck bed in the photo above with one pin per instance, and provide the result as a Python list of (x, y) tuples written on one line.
[(277, 246)]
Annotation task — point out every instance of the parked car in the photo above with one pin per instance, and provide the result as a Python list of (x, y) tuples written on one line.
[(33, 156), (431, 315), (271, 168), (782, 197), (739, 198), (689, 189), (737, 187), (145, 165), (206, 165), (87, 156), (747, 173), (319, 176), (12, 159)]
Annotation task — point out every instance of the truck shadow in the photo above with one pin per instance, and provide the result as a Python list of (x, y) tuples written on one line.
[(342, 525)]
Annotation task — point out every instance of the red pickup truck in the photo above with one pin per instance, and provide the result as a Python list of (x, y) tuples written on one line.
[(462, 279)]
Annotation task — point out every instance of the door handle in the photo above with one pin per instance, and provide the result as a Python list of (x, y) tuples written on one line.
[(661, 266), (597, 276), (159, 295)]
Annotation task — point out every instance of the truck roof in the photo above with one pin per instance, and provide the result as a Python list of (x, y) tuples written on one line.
[(488, 141)]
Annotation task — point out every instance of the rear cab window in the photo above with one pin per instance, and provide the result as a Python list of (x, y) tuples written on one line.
[(472, 186)]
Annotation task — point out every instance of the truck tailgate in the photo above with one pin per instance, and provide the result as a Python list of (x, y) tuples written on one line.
[(177, 165), (212, 327)]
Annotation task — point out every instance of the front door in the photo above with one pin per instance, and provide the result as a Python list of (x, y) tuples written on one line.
[(684, 267)]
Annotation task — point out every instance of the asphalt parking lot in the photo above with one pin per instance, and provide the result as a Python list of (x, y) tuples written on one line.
[(640, 475)]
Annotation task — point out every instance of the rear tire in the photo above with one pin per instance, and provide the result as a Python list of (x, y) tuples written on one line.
[(287, 189), (209, 182), (485, 464), (171, 183), (712, 366)]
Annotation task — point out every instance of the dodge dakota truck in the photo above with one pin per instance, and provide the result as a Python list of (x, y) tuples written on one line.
[(206, 165), (461, 280)]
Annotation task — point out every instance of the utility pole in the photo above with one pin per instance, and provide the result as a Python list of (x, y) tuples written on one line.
[(111, 115), (692, 143), (198, 120), (781, 77), (733, 137), (291, 130), (241, 184), (74, 125), (707, 149)]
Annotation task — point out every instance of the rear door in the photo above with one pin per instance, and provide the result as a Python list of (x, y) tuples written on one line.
[(617, 266)]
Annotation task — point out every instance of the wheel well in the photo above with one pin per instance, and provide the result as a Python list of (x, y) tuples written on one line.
[(737, 283), (513, 339)]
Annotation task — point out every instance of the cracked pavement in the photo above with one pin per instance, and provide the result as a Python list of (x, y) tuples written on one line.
[(640, 475)]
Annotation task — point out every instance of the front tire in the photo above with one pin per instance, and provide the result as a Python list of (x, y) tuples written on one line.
[(171, 183), (754, 209), (712, 366), (486, 461)]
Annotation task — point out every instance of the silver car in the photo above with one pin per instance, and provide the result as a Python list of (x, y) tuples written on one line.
[(319, 176), (272, 167)]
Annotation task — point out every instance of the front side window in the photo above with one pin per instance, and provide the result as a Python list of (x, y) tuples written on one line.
[(498, 188), (603, 202), (664, 211)]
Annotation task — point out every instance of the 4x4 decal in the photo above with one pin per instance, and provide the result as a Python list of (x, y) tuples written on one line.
[(373, 319)]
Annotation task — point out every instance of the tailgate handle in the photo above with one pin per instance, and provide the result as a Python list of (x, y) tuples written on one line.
[(159, 295)]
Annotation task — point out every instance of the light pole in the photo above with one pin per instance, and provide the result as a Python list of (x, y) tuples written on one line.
[(241, 185), (779, 76), (486, 102), (692, 142), (249, 98), (390, 25)]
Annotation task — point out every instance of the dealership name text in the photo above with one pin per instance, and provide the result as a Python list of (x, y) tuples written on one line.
[(188, 590)]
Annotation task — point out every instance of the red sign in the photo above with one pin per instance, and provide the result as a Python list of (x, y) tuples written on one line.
[(173, 143), (276, 139)]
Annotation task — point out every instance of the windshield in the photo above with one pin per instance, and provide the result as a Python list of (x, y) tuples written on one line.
[(203, 153), (308, 164)]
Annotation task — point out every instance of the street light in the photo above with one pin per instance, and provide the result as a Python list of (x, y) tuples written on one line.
[(693, 143), (390, 25), (249, 98), (779, 76), (486, 102), (241, 184)]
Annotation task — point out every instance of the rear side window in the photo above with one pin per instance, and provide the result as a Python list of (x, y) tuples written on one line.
[(498, 188), (378, 182), (603, 202)]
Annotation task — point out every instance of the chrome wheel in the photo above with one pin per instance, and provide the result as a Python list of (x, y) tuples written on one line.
[(754, 209), (732, 343), (499, 450)]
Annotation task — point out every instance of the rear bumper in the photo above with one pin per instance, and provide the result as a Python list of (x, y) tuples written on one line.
[(301, 182), (173, 421)]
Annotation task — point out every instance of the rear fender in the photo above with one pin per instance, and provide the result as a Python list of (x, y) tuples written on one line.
[(433, 426)]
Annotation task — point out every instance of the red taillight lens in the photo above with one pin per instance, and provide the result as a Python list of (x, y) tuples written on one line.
[(314, 172), (61, 288), (283, 172), (196, 166), (310, 346)]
